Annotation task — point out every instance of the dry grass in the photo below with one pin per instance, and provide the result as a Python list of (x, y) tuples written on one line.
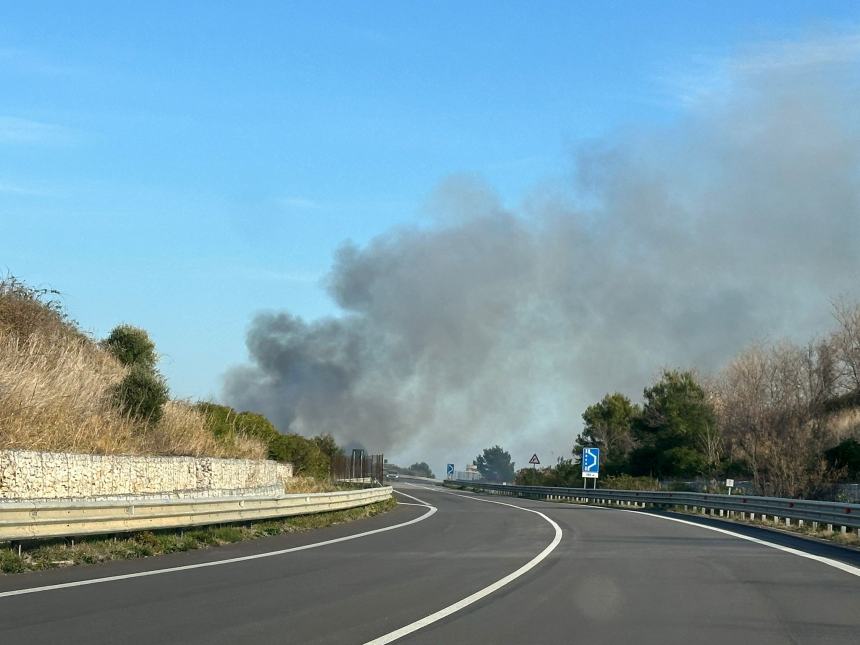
[(55, 396), (301, 484), (845, 423)]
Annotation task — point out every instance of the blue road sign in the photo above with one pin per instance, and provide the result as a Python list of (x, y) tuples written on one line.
[(590, 462), (450, 471)]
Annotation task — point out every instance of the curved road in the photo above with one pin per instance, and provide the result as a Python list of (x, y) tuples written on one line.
[(486, 572)]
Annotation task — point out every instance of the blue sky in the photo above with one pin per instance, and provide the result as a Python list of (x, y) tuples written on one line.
[(181, 166)]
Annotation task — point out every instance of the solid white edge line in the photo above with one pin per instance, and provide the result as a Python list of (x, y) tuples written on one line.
[(215, 563), (482, 593), (847, 568), (836, 564)]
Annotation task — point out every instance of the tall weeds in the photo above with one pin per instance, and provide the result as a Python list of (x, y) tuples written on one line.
[(55, 395)]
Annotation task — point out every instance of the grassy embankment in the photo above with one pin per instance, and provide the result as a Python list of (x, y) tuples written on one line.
[(36, 556), (57, 392)]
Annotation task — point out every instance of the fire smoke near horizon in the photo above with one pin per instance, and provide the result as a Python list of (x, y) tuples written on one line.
[(678, 247)]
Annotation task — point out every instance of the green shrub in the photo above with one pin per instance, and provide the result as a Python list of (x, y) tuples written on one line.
[(305, 455), (256, 425), (628, 482), (131, 346), (10, 562), (142, 394), (220, 419), (227, 534), (328, 446), (311, 457), (224, 422)]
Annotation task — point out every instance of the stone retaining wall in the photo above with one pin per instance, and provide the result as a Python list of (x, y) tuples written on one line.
[(26, 475)]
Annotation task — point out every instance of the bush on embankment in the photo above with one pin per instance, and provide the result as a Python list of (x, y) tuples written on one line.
[(310, 456)]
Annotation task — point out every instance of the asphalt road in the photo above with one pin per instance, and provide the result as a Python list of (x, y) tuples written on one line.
[(499, 574)]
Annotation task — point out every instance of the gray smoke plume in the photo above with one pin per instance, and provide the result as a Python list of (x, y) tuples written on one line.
[(740, 222)]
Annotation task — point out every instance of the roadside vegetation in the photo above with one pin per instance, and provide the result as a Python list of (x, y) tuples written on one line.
[(36, 556), (785, 417), (418, 469), (63, 391), (495, 465)]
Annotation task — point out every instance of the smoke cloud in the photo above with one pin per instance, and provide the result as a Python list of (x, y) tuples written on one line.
[(669, 247)]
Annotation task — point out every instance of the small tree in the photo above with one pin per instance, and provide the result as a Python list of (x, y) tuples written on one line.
[(609, 426), (675, 420), (328, 446), (256, 425), (421, 469), (131, 346), (303, 453), (142, 394), (495, 465), (531, 477)]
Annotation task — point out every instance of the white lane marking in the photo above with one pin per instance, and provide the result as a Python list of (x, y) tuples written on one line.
[(855, 571), (482, 593), (268, 554), (842, 566), (421, 502)]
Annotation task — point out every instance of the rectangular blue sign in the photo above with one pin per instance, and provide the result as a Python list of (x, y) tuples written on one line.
[(590, 462), (450, 471)]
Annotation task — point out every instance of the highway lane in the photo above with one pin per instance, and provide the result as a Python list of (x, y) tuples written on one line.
[(613, 577), (348, 592), (635, 577)]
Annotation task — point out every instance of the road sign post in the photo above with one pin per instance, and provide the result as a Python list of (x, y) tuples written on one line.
[(534, 461), (730, 483), (449, 471), (590, 465)]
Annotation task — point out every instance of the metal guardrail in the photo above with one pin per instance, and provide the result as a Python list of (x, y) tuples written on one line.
[(47, 519), (833, 514)]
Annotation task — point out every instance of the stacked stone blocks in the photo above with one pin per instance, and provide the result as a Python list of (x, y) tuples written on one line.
[(30, 475)]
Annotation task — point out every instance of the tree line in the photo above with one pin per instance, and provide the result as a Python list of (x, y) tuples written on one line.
[(784, 416)]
